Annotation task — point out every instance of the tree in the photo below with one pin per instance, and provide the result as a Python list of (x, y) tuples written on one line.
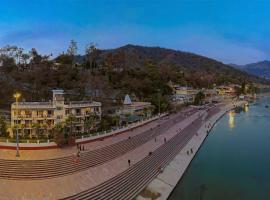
[(58, 136), (35, 57), (36, 127), (72, 50), (88, 123), (22, 127), (199, 98), (91, 55), (243, 87), (3, 127), (69, 123), (238, 91), (252, 89)]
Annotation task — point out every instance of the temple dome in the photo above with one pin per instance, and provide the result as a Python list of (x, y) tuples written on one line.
[(127, 100)]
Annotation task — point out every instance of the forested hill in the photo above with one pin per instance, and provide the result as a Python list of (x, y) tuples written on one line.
[(200, 67), (261, 69), (109, 74)]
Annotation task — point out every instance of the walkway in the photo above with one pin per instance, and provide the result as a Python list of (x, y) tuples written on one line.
[(41, 169)]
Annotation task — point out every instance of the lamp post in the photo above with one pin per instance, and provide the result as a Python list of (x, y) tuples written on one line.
[(17, 96), (158, 102)]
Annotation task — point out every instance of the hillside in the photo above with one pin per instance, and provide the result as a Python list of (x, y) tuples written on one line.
[(261, 69), (107, 75), (132, 56)]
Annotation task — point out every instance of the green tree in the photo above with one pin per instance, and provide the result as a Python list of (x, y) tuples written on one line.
[(72, 51), (91, 56), (36, 127), (69, 123), (199, 98), (3, 127), (88, 123), (243, 87), (238, 91), (59, 135)]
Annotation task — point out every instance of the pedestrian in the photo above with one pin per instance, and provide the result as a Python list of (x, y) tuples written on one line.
[(165, 140), (191, 150), (128, 162), (150, 153), (187, 152), (155, 139), (80, 147), (129, 137)]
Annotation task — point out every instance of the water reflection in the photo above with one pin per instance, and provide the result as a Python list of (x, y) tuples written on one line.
[(231, 119), (246, 108)]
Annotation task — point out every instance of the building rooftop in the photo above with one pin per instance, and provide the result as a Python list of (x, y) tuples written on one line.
[(58, 91)]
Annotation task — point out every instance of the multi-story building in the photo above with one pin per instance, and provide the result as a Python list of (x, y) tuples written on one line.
[(183, 94), (32, 118)]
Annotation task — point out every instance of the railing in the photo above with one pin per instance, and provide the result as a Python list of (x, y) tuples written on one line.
[(88, 137), (28, 141), (110, 132)]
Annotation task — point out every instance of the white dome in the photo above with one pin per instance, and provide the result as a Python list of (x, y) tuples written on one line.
[(127, 100)]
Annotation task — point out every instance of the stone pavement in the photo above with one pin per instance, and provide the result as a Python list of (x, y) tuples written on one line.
[(168, 179), (61, 152), (56, 188)]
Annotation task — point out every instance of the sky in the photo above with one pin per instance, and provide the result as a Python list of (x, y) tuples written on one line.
[(231, 31)]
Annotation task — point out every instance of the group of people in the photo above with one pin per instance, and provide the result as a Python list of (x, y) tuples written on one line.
[(190, 151), (79, 149)]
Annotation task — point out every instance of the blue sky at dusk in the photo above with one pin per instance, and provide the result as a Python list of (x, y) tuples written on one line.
[(230, 31)]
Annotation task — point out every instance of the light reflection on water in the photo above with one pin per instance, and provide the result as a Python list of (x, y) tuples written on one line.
[(231, 119), (246, 108), (232, 166)]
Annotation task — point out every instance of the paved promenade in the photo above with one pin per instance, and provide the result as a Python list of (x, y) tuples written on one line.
[(67, 151), (68, 185), (165, 182)]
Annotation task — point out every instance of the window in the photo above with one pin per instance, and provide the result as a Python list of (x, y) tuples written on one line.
[(59, 108), (78, 111)]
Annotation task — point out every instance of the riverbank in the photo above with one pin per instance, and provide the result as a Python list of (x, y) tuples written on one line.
[(162, 186)]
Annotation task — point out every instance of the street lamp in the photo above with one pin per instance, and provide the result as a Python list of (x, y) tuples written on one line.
[(17, 96), (158, 90)]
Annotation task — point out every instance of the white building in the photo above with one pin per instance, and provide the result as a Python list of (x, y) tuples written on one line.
[(184, 94)]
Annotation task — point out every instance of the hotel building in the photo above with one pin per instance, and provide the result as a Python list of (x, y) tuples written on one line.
[(41, 117)]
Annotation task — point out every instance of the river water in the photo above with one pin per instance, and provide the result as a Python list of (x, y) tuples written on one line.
[(234, 161)]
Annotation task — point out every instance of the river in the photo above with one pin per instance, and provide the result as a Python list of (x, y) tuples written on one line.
[(234, 161)]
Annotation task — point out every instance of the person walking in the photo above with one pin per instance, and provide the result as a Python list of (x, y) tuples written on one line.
[(128, 162)]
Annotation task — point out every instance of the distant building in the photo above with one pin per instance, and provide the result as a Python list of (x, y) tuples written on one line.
[(211, 95), (226, 90), (183, 94), (45, 115), (134, 111)]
